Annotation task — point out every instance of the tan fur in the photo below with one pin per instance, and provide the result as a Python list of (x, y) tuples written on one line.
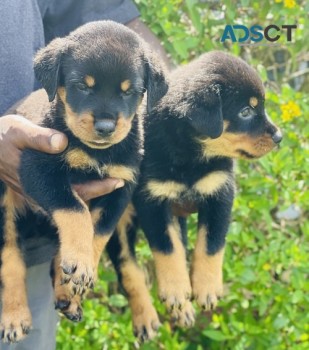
[(253, 102), (122, 227), (77, 158), (125, 85), (212, 182), (123, 224), (120, 172), (184, 317), (228, 144), (123, 127), (76, 238), (166, 189), (171, 269), (96, 215), (15, 310), (99, 244), (206, 273), (90, 81), (14, 200)]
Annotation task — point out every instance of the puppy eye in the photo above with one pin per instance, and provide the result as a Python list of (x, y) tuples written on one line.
[(246, 112), (82, 87), (128, 92)]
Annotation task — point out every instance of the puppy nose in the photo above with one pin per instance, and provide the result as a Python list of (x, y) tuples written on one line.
[(105, 127), (277, 136)]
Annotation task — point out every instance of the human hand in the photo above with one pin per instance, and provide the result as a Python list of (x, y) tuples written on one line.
[(97, 188), (18, 133)]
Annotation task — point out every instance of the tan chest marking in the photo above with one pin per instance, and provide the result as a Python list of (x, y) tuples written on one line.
[(79, 159), (211, 183), (120, 172), (166, 189)]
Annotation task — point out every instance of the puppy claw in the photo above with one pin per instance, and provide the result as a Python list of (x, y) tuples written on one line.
[(210, 303), (65, 280), (68, 269)]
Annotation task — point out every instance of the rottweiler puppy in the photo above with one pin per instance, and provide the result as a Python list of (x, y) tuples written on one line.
[(95, 79), (213, 113)]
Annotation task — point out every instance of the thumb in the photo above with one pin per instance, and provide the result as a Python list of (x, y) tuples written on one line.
[(46, 140)]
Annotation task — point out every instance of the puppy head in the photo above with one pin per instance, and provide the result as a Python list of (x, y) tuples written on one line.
[(100, 73), (226, 108)]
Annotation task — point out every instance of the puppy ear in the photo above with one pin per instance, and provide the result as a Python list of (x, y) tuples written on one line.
[(47, 66), (155, 80), (207, 119)]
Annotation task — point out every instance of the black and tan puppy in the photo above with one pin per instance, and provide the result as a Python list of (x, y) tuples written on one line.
[(213, 112), (95, 79)]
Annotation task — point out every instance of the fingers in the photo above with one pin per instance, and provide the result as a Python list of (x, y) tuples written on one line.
[(98, 188), (28, 135)]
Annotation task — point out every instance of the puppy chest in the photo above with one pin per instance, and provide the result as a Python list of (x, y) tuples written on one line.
[(205, 185), (79, 160)]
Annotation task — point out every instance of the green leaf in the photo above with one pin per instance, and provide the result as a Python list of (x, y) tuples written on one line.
[(215, 335)]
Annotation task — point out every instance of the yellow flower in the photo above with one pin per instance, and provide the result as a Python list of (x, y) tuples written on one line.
[(289, 3), (290, 111), (278, 0), (304, 337), (266, 267)]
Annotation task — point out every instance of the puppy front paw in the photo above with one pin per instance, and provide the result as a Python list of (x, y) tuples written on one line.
[(207, 289), (206, 278), (174, 291), (15, 324), (145, 322)]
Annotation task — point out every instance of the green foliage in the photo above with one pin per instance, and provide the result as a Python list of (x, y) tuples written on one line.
[(266, 291)]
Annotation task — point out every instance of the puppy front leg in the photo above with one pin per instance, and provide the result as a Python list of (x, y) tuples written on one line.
[(105, 212), (76, 238), (206, 271), (165, 238), (16, 316), (73, 221)]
